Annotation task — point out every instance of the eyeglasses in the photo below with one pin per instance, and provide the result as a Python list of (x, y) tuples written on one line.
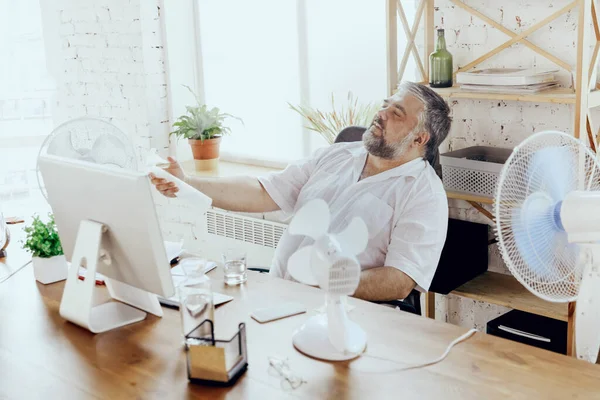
[(280, 368)]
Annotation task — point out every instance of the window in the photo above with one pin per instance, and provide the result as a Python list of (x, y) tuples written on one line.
[(255, 57), (26, 91)]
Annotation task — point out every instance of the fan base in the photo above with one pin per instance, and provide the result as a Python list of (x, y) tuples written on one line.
[(312, 339)]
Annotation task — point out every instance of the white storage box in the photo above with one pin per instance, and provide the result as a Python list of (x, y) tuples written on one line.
[(473, 170)]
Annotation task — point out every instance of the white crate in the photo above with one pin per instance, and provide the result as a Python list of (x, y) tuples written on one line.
[(473, 170)]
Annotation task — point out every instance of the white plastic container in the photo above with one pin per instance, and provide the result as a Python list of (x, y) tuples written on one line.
[(473, 170), (50, 270)]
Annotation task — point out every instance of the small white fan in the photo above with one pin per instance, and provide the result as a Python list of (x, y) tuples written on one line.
[(548, 227), (330, 263), (89, 139)]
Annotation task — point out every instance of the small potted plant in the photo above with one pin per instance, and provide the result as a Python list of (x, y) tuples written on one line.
[(49, 263), (203, 128)]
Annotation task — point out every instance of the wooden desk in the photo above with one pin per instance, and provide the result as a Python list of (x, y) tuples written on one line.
[(43, 356)]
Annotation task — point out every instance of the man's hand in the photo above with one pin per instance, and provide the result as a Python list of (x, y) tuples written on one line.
[(165, 187)]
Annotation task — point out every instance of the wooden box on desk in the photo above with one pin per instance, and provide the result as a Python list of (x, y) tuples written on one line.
[(464, 256)]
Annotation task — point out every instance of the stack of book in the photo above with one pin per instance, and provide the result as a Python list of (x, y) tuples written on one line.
[(507, 80)]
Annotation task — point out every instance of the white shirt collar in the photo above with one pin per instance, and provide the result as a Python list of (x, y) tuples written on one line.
[(412, 168)]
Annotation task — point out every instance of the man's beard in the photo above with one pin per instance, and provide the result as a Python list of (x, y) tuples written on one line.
[(378, 147)]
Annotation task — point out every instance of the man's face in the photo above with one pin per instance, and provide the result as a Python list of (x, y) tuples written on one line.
[(389, 135)]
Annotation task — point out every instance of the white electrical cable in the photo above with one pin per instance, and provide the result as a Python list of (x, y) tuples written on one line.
[(456, 341), (6, 277)]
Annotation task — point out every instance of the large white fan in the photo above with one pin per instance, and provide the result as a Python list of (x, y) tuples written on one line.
[(89, 139), (548, 227), (330, 263)]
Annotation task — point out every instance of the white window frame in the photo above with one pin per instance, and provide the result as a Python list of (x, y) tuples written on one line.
[(182, 22)]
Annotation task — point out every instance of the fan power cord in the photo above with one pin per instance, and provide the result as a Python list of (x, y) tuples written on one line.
[(456, 341)]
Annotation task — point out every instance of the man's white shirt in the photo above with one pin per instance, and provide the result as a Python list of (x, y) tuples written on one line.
[(405, 208)]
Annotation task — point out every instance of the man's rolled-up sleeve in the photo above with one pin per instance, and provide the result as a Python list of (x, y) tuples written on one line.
[(418, 238), (285, 186)]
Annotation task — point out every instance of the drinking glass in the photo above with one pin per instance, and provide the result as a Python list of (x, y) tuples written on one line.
[(234, 265)]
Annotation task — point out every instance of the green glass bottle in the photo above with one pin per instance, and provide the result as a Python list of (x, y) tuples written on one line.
[(440, 64)]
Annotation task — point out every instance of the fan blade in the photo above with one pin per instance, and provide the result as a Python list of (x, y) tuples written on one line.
[(538, 234), (60, 145), (587, 319), (353, 240), (311, 220), (551, 171), (299, 266), (109, 150)]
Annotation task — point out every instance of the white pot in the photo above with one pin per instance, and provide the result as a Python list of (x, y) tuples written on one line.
[(50, 270)]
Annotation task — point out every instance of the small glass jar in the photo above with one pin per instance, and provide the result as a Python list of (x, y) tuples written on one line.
[(196, 303)]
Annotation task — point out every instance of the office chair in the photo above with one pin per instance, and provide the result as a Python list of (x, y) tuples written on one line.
[(412, 303)]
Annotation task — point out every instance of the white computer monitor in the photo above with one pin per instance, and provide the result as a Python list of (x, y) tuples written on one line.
[(107, 214)]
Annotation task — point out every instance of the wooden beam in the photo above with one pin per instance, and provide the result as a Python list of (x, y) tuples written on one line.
[(512, 34), (482, 210), (591, 137), (408, 48), (391, 46), (410, 38), (429, 35), (430, 305), (582, 68), (414, 29), (595, 20), (571, 329), (593, 64), (521, 36)]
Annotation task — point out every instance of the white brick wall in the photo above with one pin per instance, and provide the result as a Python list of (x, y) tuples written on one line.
[(112, 65)]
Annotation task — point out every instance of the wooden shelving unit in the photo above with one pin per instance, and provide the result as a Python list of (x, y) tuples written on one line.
[(492, 287), (506, 291), (469, 197), (559, 95)]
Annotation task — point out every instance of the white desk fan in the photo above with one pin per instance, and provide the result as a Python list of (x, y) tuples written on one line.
[(89, 139), (547, 210), (331, 263)]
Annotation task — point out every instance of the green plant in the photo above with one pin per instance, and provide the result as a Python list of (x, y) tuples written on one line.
[(42, 238), (200, 122), (329, 124)]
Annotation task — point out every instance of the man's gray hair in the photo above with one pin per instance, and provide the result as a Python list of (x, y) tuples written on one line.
[(435, 117)]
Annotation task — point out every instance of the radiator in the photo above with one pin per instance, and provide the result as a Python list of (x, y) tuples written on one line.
[(258, 237)]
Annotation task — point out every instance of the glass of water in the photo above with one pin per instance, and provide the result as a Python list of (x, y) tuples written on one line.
[(234, 264)]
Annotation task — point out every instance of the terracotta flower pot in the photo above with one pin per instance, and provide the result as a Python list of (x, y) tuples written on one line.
[(205, 149)]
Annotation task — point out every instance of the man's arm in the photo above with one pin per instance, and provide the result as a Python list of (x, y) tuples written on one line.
[(243, 193), (240, 193), (276, 191), (384, 284)]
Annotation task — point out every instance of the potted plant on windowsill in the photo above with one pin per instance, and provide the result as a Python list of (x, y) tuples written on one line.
[(203, 128), (49, 263)]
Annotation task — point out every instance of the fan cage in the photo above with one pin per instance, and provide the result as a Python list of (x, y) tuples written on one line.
[(556, 275)]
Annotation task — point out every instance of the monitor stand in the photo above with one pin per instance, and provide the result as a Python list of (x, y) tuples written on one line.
[(77, 304)]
